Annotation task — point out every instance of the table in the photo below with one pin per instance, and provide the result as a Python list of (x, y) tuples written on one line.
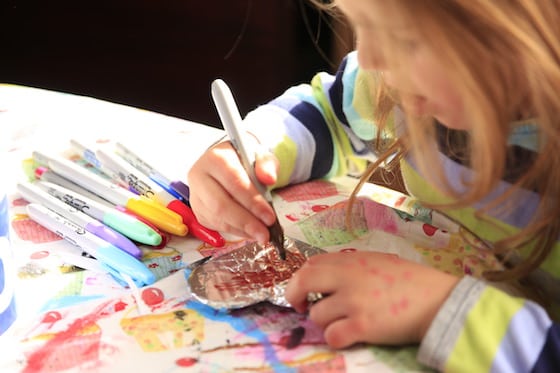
[(77, 320)]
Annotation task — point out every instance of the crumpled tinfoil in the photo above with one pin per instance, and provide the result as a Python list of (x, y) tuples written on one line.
[(250, 274)]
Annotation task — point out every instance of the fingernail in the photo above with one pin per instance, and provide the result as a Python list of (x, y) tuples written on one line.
[(261, 238), (257, 235), (268, 219)]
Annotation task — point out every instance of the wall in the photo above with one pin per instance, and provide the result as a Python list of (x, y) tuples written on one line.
[(162, 55)]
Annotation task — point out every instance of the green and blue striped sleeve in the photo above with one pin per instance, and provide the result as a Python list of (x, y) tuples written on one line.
[(483, 329), (319, 130)]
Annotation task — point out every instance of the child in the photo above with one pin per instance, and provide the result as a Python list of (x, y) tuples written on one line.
[(464, 96)]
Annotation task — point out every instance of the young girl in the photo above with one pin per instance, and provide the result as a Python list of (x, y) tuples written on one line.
[(462, 95)]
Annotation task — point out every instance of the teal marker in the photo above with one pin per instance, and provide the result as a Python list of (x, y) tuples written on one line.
[(118, 220), (113, 260)]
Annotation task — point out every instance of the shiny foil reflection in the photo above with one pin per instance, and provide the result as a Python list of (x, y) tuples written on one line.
[(250, 274)]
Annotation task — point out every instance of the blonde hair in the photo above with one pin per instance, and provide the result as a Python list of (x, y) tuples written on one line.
[(503, 55)]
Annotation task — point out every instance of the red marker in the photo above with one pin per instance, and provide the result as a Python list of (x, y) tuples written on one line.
[(143, 185), (198, 230)]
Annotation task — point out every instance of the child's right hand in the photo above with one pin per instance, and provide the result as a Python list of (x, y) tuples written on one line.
[(223, 197)]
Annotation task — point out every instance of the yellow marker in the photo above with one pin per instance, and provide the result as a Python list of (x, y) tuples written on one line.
[(159, 215)]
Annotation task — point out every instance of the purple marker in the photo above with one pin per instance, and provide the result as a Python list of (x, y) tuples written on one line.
[(110, 258), (182, 189), (34, 194)]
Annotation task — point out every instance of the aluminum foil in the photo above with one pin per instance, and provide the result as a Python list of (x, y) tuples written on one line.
[(250, 274)]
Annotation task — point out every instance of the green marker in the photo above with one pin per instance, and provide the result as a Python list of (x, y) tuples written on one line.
[(118, 220)]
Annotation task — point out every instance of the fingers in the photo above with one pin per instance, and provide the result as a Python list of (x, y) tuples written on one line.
[(266, 168), (309, 279), (345, 332), (210, 211), (223, 197), (336, 312)]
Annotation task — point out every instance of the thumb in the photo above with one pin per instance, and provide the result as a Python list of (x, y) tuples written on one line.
[(266, 168)]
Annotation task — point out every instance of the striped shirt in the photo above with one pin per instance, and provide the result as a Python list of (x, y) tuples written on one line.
[(322, 130)]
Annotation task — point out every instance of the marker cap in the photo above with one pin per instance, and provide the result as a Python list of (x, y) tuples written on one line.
[(159, 215)]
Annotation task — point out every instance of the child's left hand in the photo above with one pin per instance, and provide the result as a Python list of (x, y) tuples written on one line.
[(371, 297)]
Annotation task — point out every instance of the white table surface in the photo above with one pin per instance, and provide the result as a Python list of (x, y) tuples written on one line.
[(83, 322)]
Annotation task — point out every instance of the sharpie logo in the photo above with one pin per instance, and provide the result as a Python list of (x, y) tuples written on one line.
[(75, 202), (139, 186)]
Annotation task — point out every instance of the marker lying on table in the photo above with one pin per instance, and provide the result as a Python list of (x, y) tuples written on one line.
[(110, 216), (45, 174), (33, 193), (131, 225), (159, 215), (114, 260), (124, 172), (90, 155), (85, 153), (119, 169), (231, 120), (177, 188), (165, 237), (134, 179)]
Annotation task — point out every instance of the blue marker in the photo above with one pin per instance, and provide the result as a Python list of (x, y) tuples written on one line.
[(111, 258), (33, 193)]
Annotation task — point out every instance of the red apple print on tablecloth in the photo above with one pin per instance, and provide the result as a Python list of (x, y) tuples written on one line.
[(317, 208), (152, 296), (51, 317), (120, 305), (430, 230)]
